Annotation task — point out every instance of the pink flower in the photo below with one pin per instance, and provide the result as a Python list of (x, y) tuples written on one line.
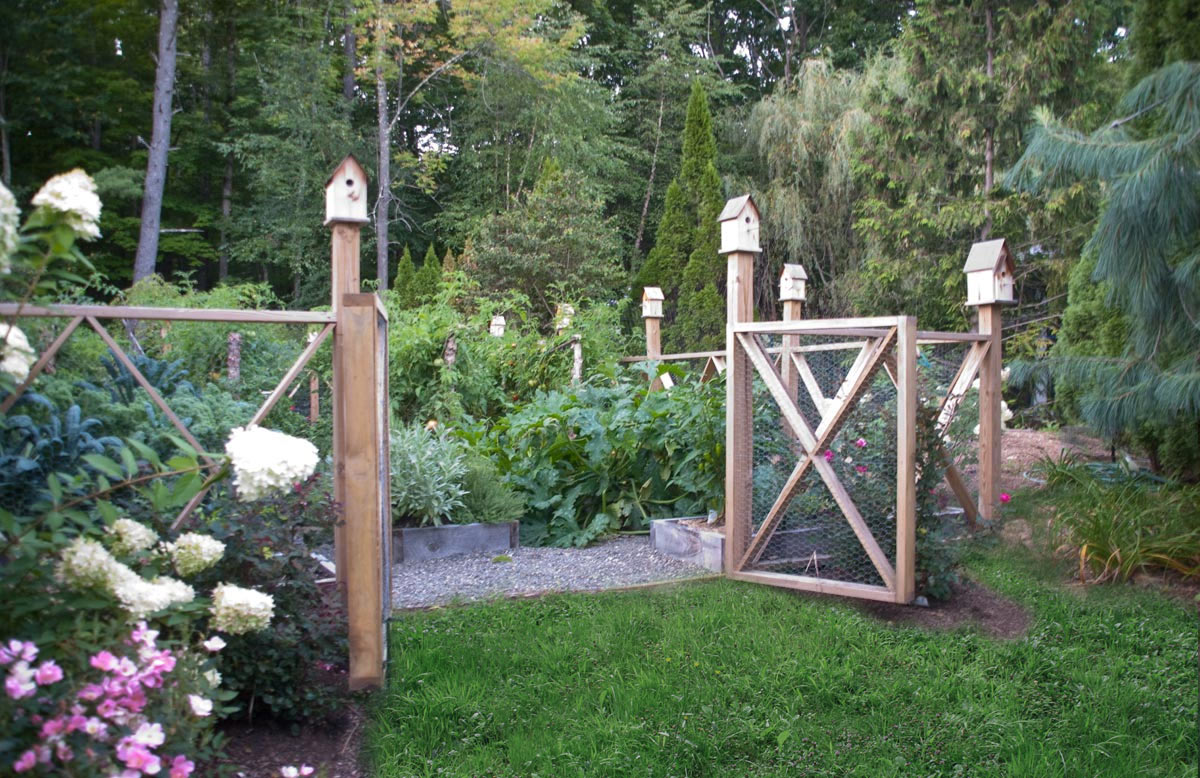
[(20, 682), (138, 757), (63, 752), (828, 455), (861, 469), (181, 767), (48, 672), (148, 735), (18, 649), (91, 692), (143, 635), (104, 661), (1005, 496), (27, 762), (200, 705), (54, 726), (861, 443), (95, 728), (214, 644)]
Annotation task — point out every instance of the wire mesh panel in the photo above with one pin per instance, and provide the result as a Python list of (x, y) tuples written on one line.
[(822, 461)]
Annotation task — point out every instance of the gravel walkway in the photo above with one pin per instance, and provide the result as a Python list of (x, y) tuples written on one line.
[(618, 562)]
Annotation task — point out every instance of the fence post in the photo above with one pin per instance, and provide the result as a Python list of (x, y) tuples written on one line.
[(989, 270), (791, 294), (233, 357), (346, 213), (906, 458), (314, 398), (739, 242), (652, 314)]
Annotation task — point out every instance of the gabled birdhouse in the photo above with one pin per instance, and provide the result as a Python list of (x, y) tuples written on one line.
[(652, 302), (989, 272), (791, 282), (346, 193), (739, 225), (496, 328), (562, 316)]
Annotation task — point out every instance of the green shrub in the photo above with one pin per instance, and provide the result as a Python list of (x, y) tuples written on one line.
[(488, 498), (427, 475), (1122, 522)]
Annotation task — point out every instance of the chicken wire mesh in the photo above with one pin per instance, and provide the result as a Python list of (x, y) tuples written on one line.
[(813, 536), (957, 422)]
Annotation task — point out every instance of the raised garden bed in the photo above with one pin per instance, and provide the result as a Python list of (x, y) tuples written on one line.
[(421, 544), (689, 539)]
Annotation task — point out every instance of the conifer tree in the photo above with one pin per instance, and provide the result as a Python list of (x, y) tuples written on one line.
[(405, 275), (427, 279), (449, 263)]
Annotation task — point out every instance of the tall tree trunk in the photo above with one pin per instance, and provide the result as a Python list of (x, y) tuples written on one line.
[(641, 232), (989, 141), (160, 141), (5, 153), (226, 213), (384, 201), (351, 46)]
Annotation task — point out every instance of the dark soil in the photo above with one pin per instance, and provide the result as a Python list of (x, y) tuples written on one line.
[(259, 750), (971, 603)]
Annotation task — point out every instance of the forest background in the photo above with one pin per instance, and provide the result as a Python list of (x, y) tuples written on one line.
[(580, 150)]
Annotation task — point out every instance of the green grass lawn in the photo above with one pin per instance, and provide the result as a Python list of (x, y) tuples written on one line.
[(734, 679)]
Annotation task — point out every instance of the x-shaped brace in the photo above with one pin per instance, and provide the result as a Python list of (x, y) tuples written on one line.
[(856, 382)]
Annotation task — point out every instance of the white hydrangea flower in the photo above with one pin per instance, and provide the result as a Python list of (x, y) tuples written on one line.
[(141, 597), (86, 564), (16, 355), (193, 552), (132, 536), (237, 611), (10, 223), (74, 195), (266, 461)]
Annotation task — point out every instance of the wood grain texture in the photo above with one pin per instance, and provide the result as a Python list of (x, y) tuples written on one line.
[(167, 314), (906, 459)]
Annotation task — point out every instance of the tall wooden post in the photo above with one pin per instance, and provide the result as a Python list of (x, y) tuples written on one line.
[(739, 242), (345, 213), (792, 295), (990, 271), (360, 446), (652, 313), (906, 458)]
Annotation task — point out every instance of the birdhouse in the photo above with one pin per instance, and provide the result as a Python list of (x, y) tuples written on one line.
[(496, 328), (346, 193), (989, 272), (652, 302), (739, 225), (791, 283), (562, 316)]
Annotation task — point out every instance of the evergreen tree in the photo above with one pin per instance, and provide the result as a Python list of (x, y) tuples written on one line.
[(406, 274), (449, 263), (1164, 31), (1147, 248), (426, 280)]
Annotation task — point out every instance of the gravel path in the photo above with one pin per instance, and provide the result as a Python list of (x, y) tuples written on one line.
[(618, 562)]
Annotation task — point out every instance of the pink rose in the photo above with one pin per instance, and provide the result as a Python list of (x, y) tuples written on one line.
[(861, 469), (861, 443), (828, 455), (27, 762), (181, 767), (104, 661), (1005, 496), (48, 672)]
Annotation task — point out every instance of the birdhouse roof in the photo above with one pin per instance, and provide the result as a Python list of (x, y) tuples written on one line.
[(794, 272), (350, 166), (987, 255), (733, 208), (651, 293)]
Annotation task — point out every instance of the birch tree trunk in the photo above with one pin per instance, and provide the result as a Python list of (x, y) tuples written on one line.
[(160, 140)]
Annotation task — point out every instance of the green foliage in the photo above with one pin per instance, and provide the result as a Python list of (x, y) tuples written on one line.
[(424, 286), (557, 238), (1123, 523), (428, 467), (1163, 31), (279, 673), (611, 455), (1145, 244), (488, 499), (406, 276)]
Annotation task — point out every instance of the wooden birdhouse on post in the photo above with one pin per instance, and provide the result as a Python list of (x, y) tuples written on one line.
[(791, 283), (652, 302), (497, 326), (739, 225), (989, 270), (346, 193)]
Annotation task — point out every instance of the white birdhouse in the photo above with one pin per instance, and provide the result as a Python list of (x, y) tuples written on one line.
[(496, 328), (989, 272), (652, 302), (739, 225), (346, 193), (791, 282), (562, 316)]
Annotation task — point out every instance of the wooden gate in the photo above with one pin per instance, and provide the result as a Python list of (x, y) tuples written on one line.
[(821, 459)]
